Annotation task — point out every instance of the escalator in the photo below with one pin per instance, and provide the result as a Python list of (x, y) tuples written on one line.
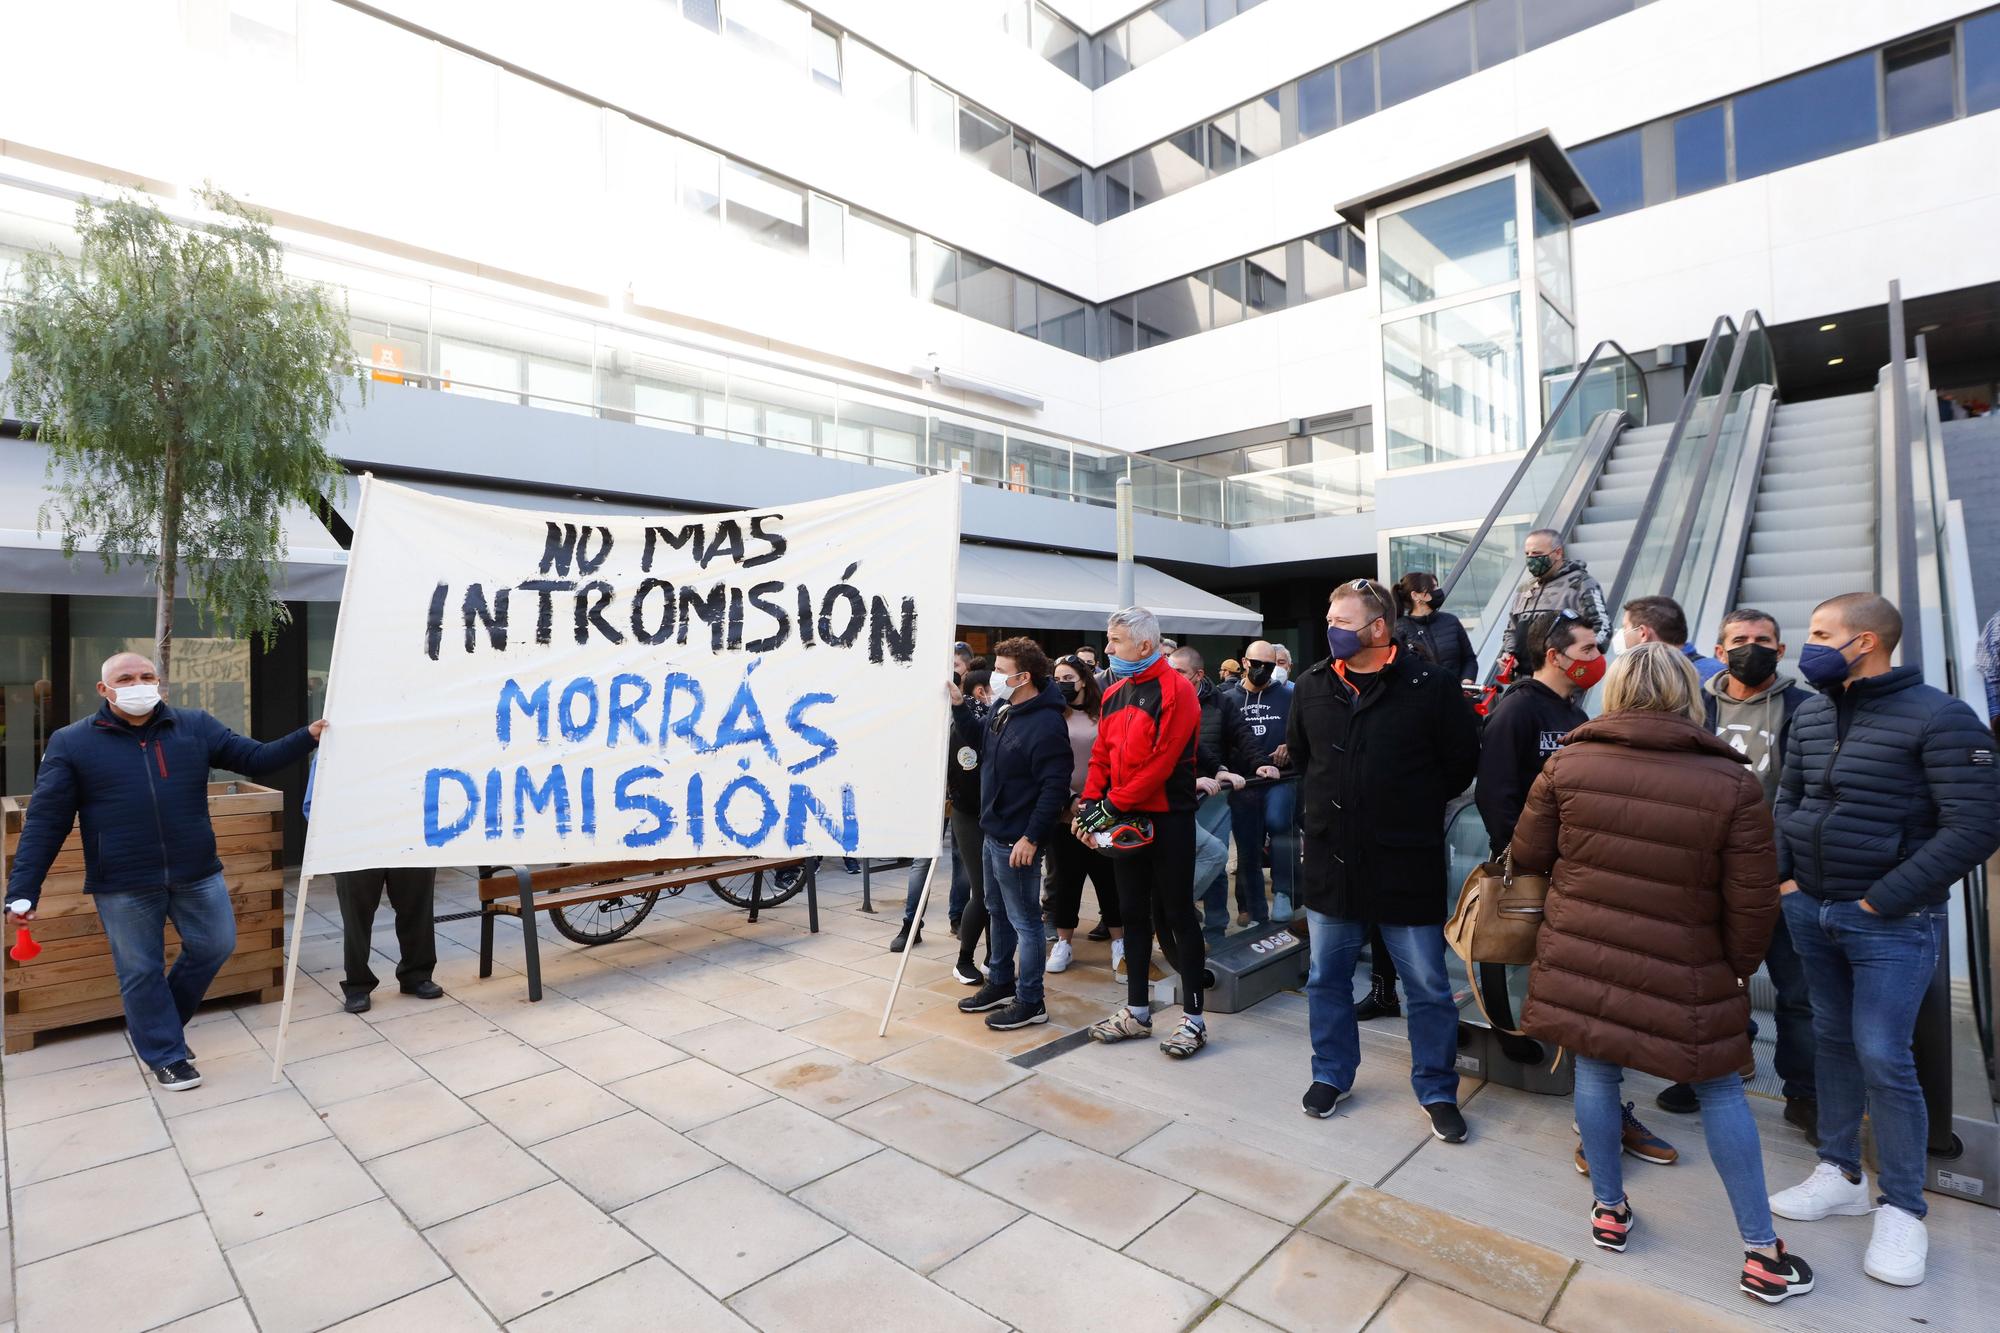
[(1812, 524), (1604, 528)]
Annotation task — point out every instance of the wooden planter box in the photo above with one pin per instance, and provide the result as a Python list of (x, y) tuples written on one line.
[(72, 981)]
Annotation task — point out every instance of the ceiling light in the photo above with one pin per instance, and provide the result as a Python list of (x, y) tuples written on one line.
[(1834, 361), (1828, 327), (1930, 328)]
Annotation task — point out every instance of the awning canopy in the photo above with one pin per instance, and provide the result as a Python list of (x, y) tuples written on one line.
[(1000, 585), (32, 561)]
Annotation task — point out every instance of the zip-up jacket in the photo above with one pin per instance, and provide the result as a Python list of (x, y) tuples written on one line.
[(1439, 637), (1527, 726), (141, 794), (1147, 733), (1024, 765), (1889, 794), (1224, 741), (1570, 588)]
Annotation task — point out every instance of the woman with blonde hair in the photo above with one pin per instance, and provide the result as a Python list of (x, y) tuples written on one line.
[(1663, 890)]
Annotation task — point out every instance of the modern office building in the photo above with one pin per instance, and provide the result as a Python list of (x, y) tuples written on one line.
[(1312, 275)]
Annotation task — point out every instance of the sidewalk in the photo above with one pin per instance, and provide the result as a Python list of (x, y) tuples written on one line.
[(698, 1129)]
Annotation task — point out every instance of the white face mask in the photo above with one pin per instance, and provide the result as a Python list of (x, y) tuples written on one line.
[(1623, 641), (1280, 674), (137, 700), (1002, 691)]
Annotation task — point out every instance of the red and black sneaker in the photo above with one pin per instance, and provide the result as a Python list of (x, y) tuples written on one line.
[(1610, 1227), (1774, 1280)]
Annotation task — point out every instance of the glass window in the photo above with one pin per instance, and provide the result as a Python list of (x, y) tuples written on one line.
[(825, 231), (1057, 42), (984, 292), (559, 386), (825, 48), (702, 12), (875, 81), (1023, 170), (664, 408), (1552, 266), (1318, 108), (1981, 36), (479, 372), (1117, 178), (1438, 553), (1172, 310), (879, 254), (1558, 343), (1357, 87), (985, 138), (1452, 382), (700, 182), (1917, 83), (1037, 466), (944, 274), (1357, 258), (1226, 281), (27, 687), (1120, 333), (1450, 245), (1427, 56), (764, 208), (1220, 11), (1615, 172), (1811, 115), (1222, 143), (1063, 320), (1058, 180), (880, 433), (1258, 128), (1325, 271), (774, 28), (210, 672), (1168, 167), (1701, 152), (1496, 32), (1265, 281), (1113, 51), (1024, 307), (958, 447), (1545, 21), (1154, 32), (940, 116)]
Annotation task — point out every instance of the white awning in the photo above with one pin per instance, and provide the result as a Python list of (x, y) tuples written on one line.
[(32, 561), (1000, 585)]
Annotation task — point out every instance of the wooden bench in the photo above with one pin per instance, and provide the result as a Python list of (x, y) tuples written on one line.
[(523, 891)]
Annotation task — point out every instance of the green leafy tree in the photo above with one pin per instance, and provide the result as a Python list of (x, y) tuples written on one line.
[(184, 388)]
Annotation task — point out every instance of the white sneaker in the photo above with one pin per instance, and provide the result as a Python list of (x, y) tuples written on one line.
[(1118, 959), (1060, 957), (1827, 1193), (1896, 1251)]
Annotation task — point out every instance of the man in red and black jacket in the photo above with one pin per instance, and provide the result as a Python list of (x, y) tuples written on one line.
[(1142, 776)]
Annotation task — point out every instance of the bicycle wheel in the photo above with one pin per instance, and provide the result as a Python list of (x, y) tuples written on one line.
[(605, 920), (779, 886)]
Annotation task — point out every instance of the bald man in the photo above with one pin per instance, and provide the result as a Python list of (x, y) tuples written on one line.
[(135, 773)]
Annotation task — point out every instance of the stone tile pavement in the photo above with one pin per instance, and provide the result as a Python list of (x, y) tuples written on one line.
[(698, 1129)]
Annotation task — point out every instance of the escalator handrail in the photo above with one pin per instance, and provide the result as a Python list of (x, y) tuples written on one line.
[(1615, 594), (1684, 534), (1603, 350)]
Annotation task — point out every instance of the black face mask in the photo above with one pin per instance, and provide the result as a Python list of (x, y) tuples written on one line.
[(1070, 690), (1753, 663), (1259, 672)]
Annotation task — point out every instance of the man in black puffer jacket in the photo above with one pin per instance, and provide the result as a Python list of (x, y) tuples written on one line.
[(1888, 798), (136, 775)]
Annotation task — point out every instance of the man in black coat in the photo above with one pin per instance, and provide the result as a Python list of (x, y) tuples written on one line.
[(1383, 741)]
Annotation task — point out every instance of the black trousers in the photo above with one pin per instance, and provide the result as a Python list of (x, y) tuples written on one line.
[(972, 855), (1069, 864), (1156, 892), (1380, 964), (412, 896)]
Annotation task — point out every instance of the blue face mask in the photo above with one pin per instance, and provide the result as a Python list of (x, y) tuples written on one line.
[(1342, 643), (1824, 665), (1122, 668)]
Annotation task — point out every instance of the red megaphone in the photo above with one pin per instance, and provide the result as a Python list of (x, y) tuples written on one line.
[(25, 947)]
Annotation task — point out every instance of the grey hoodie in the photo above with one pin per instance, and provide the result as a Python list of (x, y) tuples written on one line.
[(1755, 727)]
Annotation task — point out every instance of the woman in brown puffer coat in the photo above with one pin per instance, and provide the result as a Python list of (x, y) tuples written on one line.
[(1663, 889)]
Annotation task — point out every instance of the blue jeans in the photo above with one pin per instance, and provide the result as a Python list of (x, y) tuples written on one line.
[(1726, 1124), (1433, 1017), (1794, 1016), (1212, 820), (1014, 914), (1867, 975), (160, 1000), (1254, 813)]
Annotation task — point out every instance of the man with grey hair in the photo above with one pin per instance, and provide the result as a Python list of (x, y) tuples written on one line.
[(1554, 584), (135, 775)]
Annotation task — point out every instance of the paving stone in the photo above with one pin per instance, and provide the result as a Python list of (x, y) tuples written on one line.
[(534, 1247), (954, 1067), (1091, 1194), (1093, 1288), (349, 1074), (783, 1144), (67, 1092), (1274, 1186), (1208, 1242), (849, 1288), (398, 1118), (547, 1105), (937, 1128), (947, 1021), (480, 1066), (1595, 1300), (869, 994), (853, 1035), (78, 1142), (266, 1195), (688, 1094), (437, 1029), (737, 1045), (777, 1007), (549, 1020), (444, 1307), (620, 1161), (89, 1206), (450, 1176), (810, 975), (1422, 1307), (915, 1214), (1229, 1319), (1312, 1283), (645, 1298), (327, 1270), (1079, 1115), (224, 1135), (664, 1013), (699, 979), (317, 1036), (163, 1273), (232, 1317), (226, 1079), (920, 972), (615, 1053), (727, 1229), (1484, 1264), (829, 948), (70, 1050), (829, 1083)]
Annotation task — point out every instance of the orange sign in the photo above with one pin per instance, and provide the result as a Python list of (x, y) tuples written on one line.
[(387, 358)]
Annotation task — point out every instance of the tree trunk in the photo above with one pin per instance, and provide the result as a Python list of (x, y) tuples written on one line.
[(169, 567)]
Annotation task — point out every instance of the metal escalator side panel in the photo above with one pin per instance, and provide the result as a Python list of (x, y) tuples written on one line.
[(1718, 593)]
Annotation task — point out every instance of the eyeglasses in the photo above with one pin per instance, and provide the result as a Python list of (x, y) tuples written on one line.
[(1367, 589)]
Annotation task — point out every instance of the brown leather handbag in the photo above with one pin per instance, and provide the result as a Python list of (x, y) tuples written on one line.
[(1499, 915)]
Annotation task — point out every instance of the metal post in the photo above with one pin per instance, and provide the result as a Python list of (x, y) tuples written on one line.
[(1127, 576), (1905, 592)]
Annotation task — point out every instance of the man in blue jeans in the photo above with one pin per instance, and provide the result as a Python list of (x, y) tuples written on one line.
[(1383, 740), (1264, 698), (135, 774), (1888, 798), (1226, 754), (1024, 769)]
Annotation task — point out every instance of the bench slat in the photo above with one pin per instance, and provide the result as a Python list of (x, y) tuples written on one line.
[(504, 893)]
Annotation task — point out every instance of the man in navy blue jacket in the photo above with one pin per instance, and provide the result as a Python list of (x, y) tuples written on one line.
[(135, 773), (1888, 798), (1024, 771)]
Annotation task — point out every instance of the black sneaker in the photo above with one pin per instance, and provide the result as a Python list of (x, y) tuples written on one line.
[(1019, 1014), (1802, 1113), (1610, 1227), (358, 1002), (1381, 1003), (1100, 933), (989, 996), (903, 938), (1447, 1125), (1774, 1280), (965, 974), (178, 1076), (1321, 1098), (1677, 1099), (424, 990), (850, 865)]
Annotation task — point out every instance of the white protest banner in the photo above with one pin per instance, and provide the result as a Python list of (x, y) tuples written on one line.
[(515, 687)]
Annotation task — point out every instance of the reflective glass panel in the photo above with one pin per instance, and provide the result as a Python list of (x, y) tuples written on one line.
[(1168, 167), (944, 274), (1701, 152), (1024, 307), (985, 139), (1917, 83), (1226, 281), (1427, 56), (1981, 37), (1063, 320), (1545, 21), (1154, 32), (1120, 333), (700, 181), (1357, 87), (1452, 382), (559, 386), (879, 254), (884, 434), (1615, 172), (1325, 272), (1172, 310), (702, 12), (825, 49), (1265, 281), (1552, 266), (1558, 343), (825, 228), (1058, 180), (1057, 41), (1037, 467), (1357, 258), (763, 208), (1258, 126), (1318, 104), (1811, 115), (957, 446), (1495, 31), (775, 28), (1222, 143), (1454, 244), (984, 292)]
